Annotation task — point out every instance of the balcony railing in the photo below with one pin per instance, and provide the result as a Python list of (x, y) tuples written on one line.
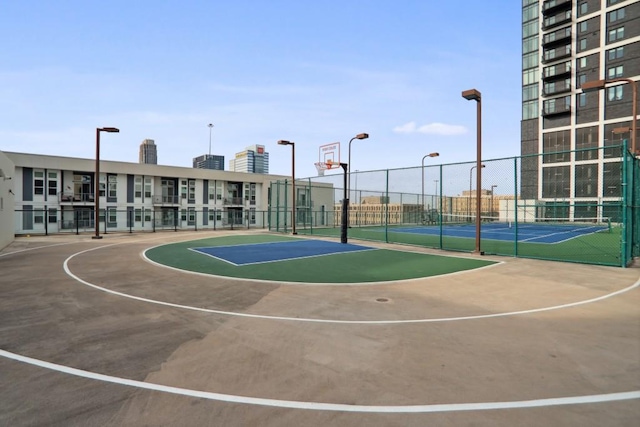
[(555, 20), (233, 201), (556, 71), (166, 200), (556, 37), (71, 197), (556, 53), (556, 106), (557, 87), (553, 6)]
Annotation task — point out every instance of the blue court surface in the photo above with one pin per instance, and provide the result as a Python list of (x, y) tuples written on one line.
[(277, 251), (527, 232)]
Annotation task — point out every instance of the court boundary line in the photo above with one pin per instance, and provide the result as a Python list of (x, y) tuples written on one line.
[(324, 406)]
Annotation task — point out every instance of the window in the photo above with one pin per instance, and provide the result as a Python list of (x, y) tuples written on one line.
[(529, 60), (616, 15), (583, 44), (252, 198), (616, 53), (147, 215), (137, 215), (586, 184), (581, 79), (530, 44), (530, 77), (583, 27), (137, 187), (52, 183), (530, 92), (582, 100), (147, 187), (530, 28), (192, 190), (616, 34), (102, 185), (183, 189), (183, 214), (530, 110), (557, 105), (556, 182), (587, 143), (218, 190), (38, 217), (610, 2), (252, 215), (212, 215), (582, 62), (192, 216), (615, 93), (611, 174), (53, 215), (112, 217), (584, 8), (38, 182), (615, 72), (113, 186), (212, 190), (530, 12), (556, 146), (557, 52)]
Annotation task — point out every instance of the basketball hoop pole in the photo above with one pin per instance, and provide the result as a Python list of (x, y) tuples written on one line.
[(345, 206)]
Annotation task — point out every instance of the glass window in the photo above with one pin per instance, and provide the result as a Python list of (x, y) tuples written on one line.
[(212, 190), (587, 143), (586, 183), (582, 100), (530, 92), (610, 2), (530, 12), (147, 215), (112, 217), (530, 77), (183, 189), (616, 53), (192, 190), (147, 187), (556, 182), (530, 28), (530, 110), (584, 8), (611, 174), (530, 60), (53, 215), (530, 44), (52, 186), (137, 187), (583, 44), (113, 186), (616, 34), (615, 72), (582, 62), (219, 188), (556, 146), (615, 93), (583, 28), (581, 79), (616, 15), (137, 215)]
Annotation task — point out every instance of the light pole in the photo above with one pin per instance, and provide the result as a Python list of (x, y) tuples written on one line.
[(210, 127), (435, 200), (601, 84), (96, 181), (470, 189), (474, 95), (422, 173), (293, 182), (492, 187), (358, 136)]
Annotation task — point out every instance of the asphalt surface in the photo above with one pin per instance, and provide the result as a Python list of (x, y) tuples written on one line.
[(93, 334)]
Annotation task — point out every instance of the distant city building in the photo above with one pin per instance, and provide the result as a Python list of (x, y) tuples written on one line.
[(254, 159), (209, 161), (148, 152)]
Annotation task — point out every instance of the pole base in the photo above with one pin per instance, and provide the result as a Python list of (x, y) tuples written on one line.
[(96, 237)]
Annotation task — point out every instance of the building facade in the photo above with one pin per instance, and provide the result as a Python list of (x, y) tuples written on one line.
[(567, 43), (57, 194), (254, 159), (209, 161), (148, 152)]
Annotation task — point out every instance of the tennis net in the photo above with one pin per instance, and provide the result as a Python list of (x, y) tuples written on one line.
[(528, 222)]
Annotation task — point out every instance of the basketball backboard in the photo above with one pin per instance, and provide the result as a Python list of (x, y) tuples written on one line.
[(329, 154)]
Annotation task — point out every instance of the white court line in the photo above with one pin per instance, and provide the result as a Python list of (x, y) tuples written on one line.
[(39, 247), (322, 406), (350, 322)]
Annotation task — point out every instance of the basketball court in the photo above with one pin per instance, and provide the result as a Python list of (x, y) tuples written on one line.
[(96, 332)]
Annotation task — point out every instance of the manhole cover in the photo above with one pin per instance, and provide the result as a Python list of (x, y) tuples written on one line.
[(382, 299)]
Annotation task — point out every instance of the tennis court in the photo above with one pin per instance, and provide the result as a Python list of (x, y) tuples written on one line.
[(538, 232)]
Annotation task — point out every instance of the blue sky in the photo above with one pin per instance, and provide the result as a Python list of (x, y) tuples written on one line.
[(312, 72)]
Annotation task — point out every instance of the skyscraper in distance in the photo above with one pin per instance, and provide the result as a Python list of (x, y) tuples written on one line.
[(254, 159), (148, 152)]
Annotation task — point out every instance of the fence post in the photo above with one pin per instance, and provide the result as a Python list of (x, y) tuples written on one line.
[(153, 225), (129, 212), (515, 207), (625, 200), (439, 214), (46, 221), (77, 225), (195, 219), (386, 207)]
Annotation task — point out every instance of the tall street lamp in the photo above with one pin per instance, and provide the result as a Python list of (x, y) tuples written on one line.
[(422, 172), (474, 95), (210, 127), (358, 136), (293, 181), (470, 188), (96, 181), (601, 84), (492, 187)]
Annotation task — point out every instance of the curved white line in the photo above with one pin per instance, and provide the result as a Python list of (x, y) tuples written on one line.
[(321, 406), (38, 247), (357, 322)]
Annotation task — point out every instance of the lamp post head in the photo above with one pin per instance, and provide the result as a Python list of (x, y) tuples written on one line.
[(593, 85), (362, 136), (283, 142), (471, 95), (109, 129), (210, 125), (433, 154)]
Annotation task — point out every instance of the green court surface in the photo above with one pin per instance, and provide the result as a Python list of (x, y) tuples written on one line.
[(350, 267), (598, 248)]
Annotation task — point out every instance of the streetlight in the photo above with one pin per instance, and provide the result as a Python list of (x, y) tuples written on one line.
[(435, 200), (601, 84), (470, 188), (210, 127), (492, 187), (474, 95), (358, 136), (293, 181), (422, 172), (96, 179)]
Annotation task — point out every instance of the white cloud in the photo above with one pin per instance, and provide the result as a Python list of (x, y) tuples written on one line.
[(431, 128)]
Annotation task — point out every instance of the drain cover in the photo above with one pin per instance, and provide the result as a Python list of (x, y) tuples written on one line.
[(382, 299)]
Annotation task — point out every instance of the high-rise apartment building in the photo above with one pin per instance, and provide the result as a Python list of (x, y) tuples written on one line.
[(209, 161), (567, 43), (148, 152), (254, 159)]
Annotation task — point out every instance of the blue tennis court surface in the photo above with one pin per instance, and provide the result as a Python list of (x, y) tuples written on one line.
[(277, 251), (527, 232)]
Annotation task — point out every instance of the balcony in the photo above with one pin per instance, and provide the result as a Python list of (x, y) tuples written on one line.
[(556, 20), (556, 53), (166, 200), (556, 71), (233, 201), (555, 88), (550, 7), (69, 198), (557, 37), (556, 106)]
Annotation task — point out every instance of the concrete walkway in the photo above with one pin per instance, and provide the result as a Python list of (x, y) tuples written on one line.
[(92, 334)]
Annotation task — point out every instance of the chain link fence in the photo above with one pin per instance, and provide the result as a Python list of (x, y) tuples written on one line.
[(576, 206)]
